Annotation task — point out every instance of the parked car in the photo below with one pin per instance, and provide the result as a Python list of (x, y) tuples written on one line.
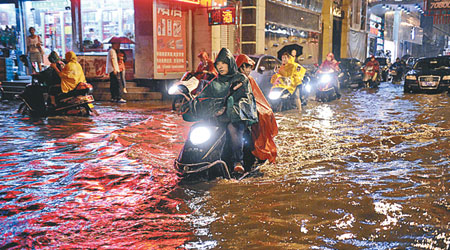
[(429, 74), (352, 72), (265, 68), (385, 63)]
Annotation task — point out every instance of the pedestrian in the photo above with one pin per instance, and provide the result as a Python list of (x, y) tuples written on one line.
[(112, 68), (122, 58), (34, 48)]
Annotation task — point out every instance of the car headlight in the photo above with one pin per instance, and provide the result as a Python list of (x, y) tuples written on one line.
[(275, 95), (325, 78), (173, 90), (199, 135), (446, 78), (411, 77), (308, 87)]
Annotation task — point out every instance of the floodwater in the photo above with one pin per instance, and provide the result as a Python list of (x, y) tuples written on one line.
[(369, 171)]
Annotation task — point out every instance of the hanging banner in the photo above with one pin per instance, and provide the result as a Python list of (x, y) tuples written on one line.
[(170, 39), (223, 16)]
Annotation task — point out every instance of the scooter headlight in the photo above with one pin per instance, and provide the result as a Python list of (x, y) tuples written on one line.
[(275, 95), (200, 135), (325, 78), (308, 87), (173, 90)]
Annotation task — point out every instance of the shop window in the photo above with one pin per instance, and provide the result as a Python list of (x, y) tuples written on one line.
[(103, 19), (52, 20), (8, 34), (7, 15)]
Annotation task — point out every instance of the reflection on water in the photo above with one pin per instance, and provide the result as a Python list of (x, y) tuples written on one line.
[(368, 171)]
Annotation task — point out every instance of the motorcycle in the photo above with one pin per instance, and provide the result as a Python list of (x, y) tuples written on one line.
[(206, 154), (371, 77), (187, 82), (36, 100), (327, 82), (282, 95)]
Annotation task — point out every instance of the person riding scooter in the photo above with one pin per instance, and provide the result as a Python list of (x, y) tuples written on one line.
[(71, 75), (266, 129), (372, 70), (229, 100), (397, 69), (294, 72), (205, 68), (330, 64)]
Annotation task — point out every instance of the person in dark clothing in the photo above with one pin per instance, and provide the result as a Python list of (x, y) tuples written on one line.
[(229, 99)]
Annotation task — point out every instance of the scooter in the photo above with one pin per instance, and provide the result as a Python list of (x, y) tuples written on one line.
[(327, 82), (371, 77), (206, 154), (187, 82), (281, 96), (36, 101), (396, 74)]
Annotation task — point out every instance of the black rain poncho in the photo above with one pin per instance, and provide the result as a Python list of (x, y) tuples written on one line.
[(240, 104)]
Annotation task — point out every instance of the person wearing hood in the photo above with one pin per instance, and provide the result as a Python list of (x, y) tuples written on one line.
[(375, 65), (229, 99), (289, 68), (71, 75), (206, 66), (266, 129), (330, 64)]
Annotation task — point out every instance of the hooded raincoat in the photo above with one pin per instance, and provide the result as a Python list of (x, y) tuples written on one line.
[(208, 66), (292, 70), (240, 104), (330, 65), (266, 129), (72, 74)]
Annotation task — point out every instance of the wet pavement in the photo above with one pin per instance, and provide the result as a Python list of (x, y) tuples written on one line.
[(369, 171)]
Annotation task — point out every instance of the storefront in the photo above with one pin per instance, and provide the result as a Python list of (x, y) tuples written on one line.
[(376, 36), (299, 24)]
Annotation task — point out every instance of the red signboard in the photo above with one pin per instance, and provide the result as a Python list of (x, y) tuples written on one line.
[(439, 10), (223, 16), (438, 4), (170, 39)]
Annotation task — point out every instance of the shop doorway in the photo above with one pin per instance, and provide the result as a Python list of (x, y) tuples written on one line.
[(337, 30), (52, 21)]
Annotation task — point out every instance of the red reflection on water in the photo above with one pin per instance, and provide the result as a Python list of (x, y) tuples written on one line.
[(111, 192)]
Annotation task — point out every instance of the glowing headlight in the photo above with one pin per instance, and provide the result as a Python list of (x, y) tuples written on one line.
[(173, 90), (411, 77), (275, 95), (308, 87), (446, 78), (199, 135), (325, 78)]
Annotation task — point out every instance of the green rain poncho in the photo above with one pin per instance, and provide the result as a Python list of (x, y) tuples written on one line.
[(240, 104)]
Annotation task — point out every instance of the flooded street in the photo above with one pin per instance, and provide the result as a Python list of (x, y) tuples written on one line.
[(369, 171)]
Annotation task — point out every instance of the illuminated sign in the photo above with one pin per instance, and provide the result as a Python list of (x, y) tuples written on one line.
[(223, 16), (190, 1), (438, 4)]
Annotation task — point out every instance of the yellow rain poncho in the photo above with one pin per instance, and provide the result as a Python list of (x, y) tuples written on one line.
[(292, 70), (71, 74)]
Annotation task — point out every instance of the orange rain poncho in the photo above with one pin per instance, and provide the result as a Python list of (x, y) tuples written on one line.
[(266, 129), (292, 70), (71, 74)]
